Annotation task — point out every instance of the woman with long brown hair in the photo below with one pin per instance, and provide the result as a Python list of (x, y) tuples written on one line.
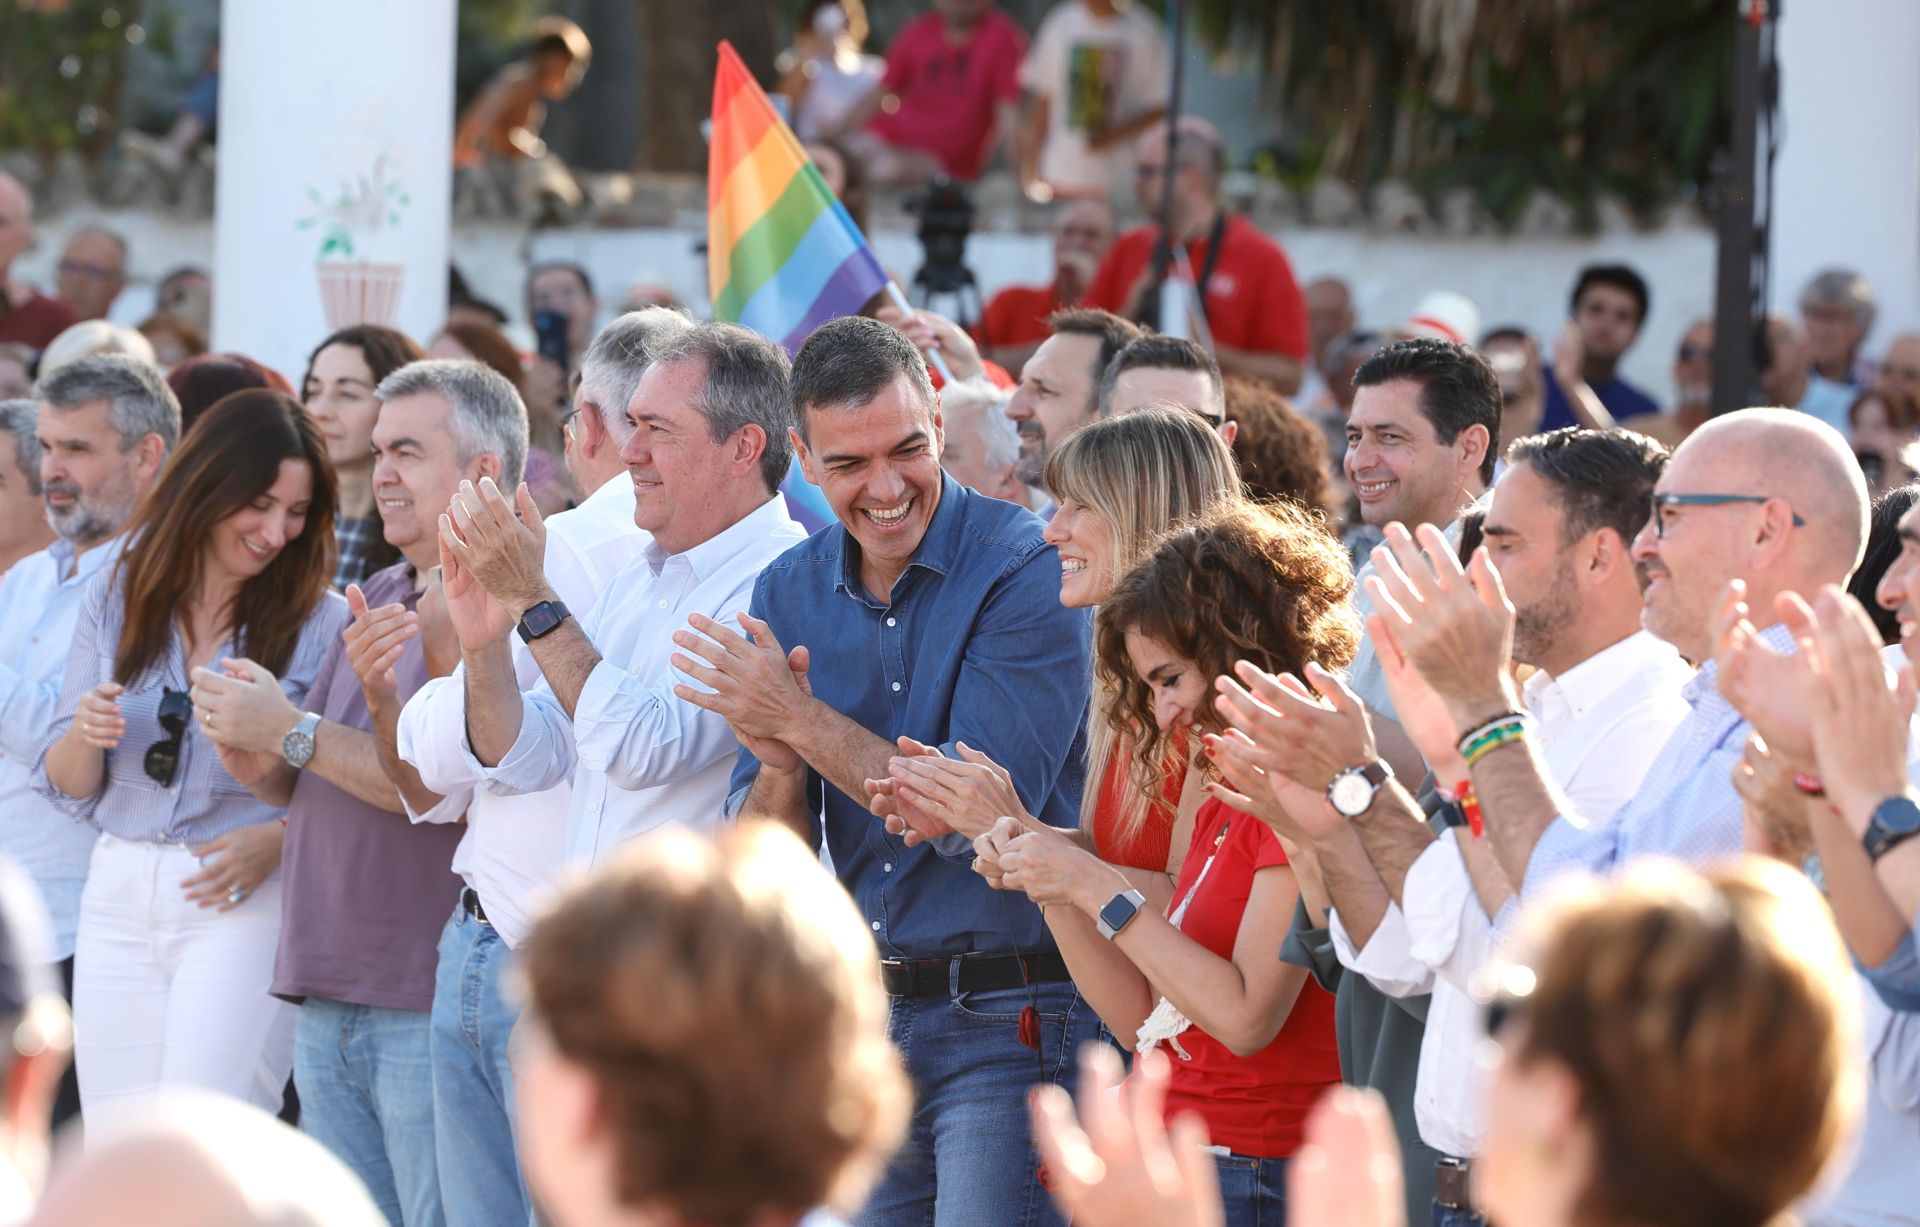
[(227, 570)]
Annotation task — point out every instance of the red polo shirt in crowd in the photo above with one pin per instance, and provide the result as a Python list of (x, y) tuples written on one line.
[(948, 93), (1018, 315), (1252, 300), (36, 322)]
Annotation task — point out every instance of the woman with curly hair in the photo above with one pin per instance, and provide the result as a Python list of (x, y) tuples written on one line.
[(1281, 454), (1251, 1039)]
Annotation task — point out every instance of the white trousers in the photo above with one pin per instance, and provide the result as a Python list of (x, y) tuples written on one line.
[(166, 993)]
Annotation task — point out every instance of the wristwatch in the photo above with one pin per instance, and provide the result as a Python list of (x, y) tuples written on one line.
[(297, 746), (1352, 791), (541, 619), (1119, 913), (1894, 822)]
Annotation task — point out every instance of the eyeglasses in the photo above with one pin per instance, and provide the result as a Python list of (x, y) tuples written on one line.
[(163, 756), (1663, 501), (1689, 353)]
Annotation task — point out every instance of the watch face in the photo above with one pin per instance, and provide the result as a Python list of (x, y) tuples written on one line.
[(1351, 793), (1899, 816), (541, 619), (298, 748)]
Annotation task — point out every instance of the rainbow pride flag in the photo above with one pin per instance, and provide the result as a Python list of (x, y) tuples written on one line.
[(783, 255)]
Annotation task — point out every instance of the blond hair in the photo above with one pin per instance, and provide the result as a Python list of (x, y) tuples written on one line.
[(722, 995), (1146, 474)]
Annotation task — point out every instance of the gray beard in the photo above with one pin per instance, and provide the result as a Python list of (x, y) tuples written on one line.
[(86, 525)]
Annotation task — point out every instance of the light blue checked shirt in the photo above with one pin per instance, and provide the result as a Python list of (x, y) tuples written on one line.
[(1686, 807), (203, 802)]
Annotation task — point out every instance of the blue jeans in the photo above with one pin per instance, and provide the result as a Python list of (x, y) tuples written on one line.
[(366, 1093), (480, 1181), (968, 1157), (1449, 1216), (1253, 1191)]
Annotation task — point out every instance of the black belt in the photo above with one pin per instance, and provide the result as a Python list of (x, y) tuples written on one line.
[(470, 900), (935, 977), (1452, 1184)]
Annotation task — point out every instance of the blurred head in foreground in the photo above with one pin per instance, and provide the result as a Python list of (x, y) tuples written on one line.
[(705, 1040), (1676, 1050)]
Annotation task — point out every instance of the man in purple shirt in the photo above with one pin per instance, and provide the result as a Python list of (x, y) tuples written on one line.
[(366, 891)]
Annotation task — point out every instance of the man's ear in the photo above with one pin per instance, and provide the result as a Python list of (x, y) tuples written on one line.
[(807, 464)]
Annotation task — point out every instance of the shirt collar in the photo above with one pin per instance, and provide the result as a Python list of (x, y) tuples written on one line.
[(938, 548), (1589, 683), (62, 553), (609, 489), (713, 553)]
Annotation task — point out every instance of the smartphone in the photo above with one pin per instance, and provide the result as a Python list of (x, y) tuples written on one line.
[(551, 329)]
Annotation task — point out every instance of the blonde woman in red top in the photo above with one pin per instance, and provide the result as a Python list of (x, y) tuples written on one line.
[(1250, 1039)]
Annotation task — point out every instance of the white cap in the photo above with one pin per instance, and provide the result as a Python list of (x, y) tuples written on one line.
[(1446, 316)]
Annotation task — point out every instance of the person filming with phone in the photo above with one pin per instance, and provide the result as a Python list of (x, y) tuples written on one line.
[(226, 567), (563, 311)]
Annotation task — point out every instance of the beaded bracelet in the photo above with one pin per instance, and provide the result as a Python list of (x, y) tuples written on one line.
[(1492, 735)]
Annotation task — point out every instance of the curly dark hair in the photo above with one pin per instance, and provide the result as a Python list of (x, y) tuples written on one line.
[(1264, 582), (1281, 454)]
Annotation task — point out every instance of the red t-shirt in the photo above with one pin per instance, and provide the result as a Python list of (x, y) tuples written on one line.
[(1252, 301), (1253, 1105), (1152, 845), (995, 373), (949, 92), (1018, 315), (36, 322)]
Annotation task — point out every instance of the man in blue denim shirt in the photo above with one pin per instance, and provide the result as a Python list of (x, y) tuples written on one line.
[(927, 612)]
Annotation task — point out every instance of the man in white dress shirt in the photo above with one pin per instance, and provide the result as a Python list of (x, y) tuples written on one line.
[(1606, 695), (105, 427), (712, 419), (513, 846)]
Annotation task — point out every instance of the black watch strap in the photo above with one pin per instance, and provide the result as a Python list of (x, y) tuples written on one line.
[(1894, 822), (541, 619)]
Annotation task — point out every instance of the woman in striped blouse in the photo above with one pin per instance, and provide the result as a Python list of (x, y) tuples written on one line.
[(227, 562)]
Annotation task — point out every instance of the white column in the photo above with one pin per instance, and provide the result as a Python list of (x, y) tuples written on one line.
[(334, 183), (1847, 182)]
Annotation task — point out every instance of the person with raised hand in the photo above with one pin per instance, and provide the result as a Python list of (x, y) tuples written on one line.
[(710, 445), (1119, 1162), (226, 567), (367, 891), (1253, 1036)]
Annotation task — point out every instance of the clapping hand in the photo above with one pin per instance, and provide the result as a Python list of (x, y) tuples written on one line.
[(1119, 1164), (913, 824), (1453, 625), (1860, 724), (242, 706), (756, 685), (1291, 742), (967, 795), (1776, 811), (1773, 690), (506, 554), (373, 644), (479, 621), (1348, 1170)]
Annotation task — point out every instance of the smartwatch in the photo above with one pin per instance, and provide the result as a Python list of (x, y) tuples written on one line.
[(1119, 913), (1894, 822), (297, 746), (541, 619), (1352, 791)]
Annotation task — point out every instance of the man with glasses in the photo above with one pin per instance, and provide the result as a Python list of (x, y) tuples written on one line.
[(1755, 505), (1163, 370), (93, 271), (1246, 287), (105, 427)]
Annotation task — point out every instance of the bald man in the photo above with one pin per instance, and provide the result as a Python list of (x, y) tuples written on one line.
[(1900, 372), (1769, 497), (31, 318), (93, 271), (199, 1160)]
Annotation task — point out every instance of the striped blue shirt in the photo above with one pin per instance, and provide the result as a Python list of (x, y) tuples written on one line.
[(1686, 807), (204, 801)]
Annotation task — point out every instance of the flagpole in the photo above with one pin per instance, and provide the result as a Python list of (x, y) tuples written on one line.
[(906, 309)]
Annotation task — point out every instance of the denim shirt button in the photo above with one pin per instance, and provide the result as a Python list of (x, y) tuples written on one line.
[(896, 686)]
